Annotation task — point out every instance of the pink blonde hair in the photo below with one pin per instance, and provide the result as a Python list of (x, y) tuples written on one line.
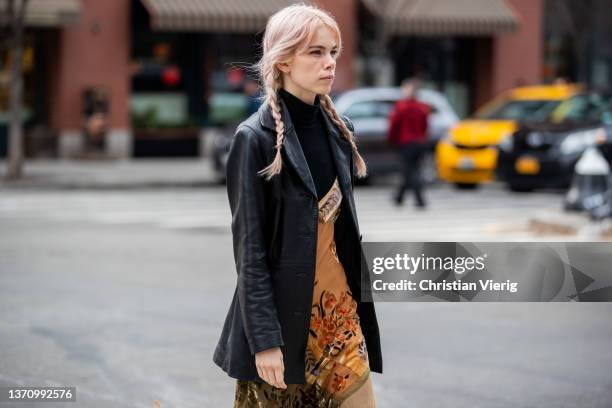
[(289, 30)]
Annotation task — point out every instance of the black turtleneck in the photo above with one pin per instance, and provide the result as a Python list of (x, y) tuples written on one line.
[(310, 128)]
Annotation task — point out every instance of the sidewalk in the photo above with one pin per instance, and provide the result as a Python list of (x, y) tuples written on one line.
[(122, 174)]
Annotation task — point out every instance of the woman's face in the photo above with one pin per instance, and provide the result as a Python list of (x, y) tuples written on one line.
[(311, 71)]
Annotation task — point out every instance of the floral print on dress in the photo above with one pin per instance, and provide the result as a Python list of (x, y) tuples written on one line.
[(334, 321)]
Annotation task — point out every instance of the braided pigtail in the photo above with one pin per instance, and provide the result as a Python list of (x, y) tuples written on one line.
[(275, 167), (328, 105)]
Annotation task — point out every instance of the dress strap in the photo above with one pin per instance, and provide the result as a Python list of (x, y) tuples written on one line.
[(329, 205)]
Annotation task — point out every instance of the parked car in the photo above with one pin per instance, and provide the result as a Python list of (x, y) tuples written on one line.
[(544, 154), (468, 155), (369, 109)]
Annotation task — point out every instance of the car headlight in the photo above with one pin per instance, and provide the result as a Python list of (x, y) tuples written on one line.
[(535, 139), (579, 141), (507, 143)]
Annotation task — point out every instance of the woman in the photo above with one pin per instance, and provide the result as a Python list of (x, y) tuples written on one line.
[(297, 333)]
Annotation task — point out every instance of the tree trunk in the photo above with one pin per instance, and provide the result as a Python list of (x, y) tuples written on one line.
[(16, 12)]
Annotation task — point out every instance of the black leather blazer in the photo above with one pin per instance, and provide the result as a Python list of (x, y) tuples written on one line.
[(274, 228)]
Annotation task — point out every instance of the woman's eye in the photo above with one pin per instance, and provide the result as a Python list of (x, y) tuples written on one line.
[(319, 52)]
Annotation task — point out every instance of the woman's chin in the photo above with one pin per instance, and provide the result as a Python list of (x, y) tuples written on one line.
[(324, 90)]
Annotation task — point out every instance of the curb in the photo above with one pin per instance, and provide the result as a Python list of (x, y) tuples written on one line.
[(22, 185)]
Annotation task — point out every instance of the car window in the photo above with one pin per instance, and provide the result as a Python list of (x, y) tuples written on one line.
[(386, 107), (431, 102), (523, 110), (584, 108), (370, 109)]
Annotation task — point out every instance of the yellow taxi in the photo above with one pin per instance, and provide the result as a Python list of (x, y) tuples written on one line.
[(467, 156)]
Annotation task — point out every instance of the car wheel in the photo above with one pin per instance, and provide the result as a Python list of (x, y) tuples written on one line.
[(466, 186)]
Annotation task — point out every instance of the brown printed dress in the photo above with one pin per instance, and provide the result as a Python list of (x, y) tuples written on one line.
[(336, 356)]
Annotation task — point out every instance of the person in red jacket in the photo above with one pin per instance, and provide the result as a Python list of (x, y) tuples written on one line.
[(408, 135)]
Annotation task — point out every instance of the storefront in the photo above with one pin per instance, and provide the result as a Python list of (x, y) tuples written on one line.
[(167, 72), (459, 47), (188, 74), (577, 45), (44, 20)]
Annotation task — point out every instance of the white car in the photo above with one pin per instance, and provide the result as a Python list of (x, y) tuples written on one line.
[(369, 109)]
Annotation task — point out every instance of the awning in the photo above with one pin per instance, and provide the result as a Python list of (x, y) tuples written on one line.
[(45, 13), (236, 16), (444, 17)]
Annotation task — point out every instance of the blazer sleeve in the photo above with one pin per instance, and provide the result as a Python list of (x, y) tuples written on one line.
[(247, 199), (349, 124)]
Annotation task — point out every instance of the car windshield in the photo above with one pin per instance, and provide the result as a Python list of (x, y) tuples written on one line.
[(587, 108), (521, 110)]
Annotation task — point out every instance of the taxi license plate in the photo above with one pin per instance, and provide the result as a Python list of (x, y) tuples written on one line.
[(527, 165), (466, 163)]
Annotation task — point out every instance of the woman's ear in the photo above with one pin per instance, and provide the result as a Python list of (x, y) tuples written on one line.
[(283, 67)]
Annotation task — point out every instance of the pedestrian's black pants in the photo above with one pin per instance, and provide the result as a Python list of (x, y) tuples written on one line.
[(411, 157)]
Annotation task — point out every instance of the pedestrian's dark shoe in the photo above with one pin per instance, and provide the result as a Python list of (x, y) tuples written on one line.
[(420, 206), (397, 200)]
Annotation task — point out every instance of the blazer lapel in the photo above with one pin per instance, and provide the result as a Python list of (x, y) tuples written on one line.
[(341, 151)]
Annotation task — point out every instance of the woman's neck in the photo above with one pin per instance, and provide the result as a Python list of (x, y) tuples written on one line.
[(300, 93), (302, 113)]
